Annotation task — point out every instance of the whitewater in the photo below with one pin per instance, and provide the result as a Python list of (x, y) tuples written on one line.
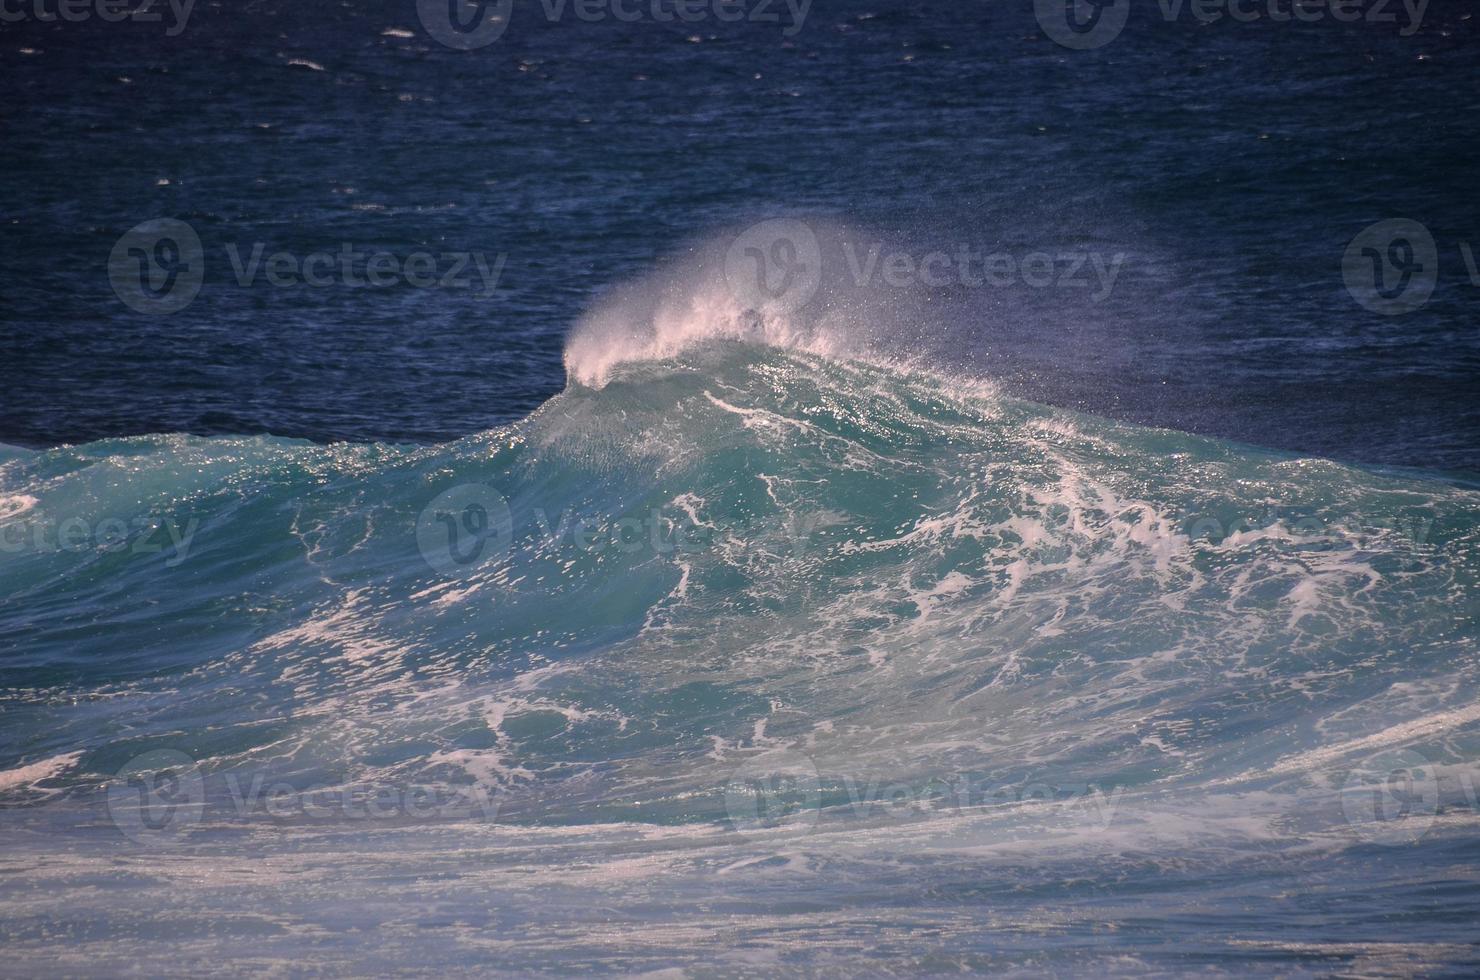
[(766, 645)]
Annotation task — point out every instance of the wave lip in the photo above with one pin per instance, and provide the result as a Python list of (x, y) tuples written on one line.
[(782, 283), (760, 623), (765, 550)]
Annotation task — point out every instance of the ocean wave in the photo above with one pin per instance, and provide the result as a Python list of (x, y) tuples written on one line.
[(727, 554)]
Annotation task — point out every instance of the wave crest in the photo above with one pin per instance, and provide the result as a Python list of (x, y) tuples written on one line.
[(781, 283)]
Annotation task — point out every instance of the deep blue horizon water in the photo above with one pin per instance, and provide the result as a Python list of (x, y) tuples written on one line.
[(878, 492), (1232, 164)]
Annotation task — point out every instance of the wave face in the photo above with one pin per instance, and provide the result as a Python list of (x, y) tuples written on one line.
[(751, 639)]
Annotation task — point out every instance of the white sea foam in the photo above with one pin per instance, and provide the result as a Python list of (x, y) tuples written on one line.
[(698, 300), (661, 322), (26, 777), (15, 504)]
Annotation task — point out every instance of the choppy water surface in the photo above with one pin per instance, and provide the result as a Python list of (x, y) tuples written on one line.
[(745, 660), (1230, 164), (657, 620)]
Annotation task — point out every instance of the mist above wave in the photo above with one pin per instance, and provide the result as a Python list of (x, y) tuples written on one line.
[(808, 286)]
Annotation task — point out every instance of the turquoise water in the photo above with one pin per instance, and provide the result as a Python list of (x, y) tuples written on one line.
[(604, 624), (739, 659)]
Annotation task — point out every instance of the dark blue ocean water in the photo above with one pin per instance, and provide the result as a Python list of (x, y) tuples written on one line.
[(1233, 164), (884, 492)]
